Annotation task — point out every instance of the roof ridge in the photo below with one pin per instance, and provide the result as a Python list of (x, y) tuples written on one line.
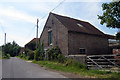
[(68, 17), (71, 25)]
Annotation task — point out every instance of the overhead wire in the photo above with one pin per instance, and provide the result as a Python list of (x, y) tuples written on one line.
[(32, 29), (46, 15), (53, 8), (58, 5)]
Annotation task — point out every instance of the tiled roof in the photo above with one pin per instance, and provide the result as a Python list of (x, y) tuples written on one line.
[(78, 25), (34, 39)]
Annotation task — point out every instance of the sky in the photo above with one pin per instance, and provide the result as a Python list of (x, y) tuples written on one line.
[(18, 19)]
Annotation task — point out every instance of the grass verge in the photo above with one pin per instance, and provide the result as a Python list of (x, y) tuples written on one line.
[(76, 69), (22, 58), (6, 57)]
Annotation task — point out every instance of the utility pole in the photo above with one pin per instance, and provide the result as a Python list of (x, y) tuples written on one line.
[(5, 38), (37, 34)]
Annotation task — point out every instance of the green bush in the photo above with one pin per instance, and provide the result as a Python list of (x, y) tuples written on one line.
[(61, 58), (36, 54), (27, 57), (27, 51), (8, 56), (39, 53), (21, 55), (5, 56), (30, 55), (54, 54)]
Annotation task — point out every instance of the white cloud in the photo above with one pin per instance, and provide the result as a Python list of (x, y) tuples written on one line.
[(20, 40), (55, 0), (16, 15), (87, 12), (2, 21), (30, 0), (1, 39)]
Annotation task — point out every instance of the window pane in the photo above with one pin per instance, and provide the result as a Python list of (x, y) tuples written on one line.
[(82, 51), (50, 37)]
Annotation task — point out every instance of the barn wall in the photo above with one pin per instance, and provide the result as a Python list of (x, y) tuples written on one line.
[(59, 32), (92, 44)]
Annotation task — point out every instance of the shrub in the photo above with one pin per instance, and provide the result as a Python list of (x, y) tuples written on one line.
[(21, 55), (39, 53), (5, 56), (8, 56), (36, 54), (30, 55), (54, 54), (27, 57), (61, 58), (27, 51)]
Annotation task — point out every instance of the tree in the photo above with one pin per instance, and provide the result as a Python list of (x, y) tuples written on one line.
[(39, 53), (12, 49), (118, 36), (41, 56), (111, 14)]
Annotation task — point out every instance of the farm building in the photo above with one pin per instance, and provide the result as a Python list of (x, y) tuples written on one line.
[(32, 44), (73, 37)]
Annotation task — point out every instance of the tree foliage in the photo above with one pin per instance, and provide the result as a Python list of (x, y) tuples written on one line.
[(53, 53), (118, 36), (39, 53), (11, 48), (111, 14)]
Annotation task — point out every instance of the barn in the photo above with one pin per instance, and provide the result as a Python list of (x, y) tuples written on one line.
[(73, 37)]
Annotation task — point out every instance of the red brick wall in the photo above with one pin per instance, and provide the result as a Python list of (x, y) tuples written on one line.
[(92, 44), (59, 32)]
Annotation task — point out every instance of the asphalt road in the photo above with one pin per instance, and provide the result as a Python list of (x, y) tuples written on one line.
[(18, 68)]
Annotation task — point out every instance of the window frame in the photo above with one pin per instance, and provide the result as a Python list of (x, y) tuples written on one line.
[(82, 52), (50, 35)]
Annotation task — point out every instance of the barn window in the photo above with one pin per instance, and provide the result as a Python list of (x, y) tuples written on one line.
[(52, 21), (82, 51), (50, 37)]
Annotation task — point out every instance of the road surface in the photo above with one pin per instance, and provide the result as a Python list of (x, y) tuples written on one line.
[(18, 68)]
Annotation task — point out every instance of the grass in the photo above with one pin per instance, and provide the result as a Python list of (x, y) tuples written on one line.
[(79, 69), (6, 57), (22, 58)]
